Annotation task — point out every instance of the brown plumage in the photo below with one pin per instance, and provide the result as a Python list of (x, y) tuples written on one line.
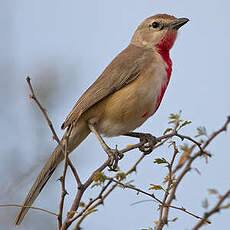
[(117, 75), (125, 95)]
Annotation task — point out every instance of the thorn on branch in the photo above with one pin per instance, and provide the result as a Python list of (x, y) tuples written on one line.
[(64, 192)]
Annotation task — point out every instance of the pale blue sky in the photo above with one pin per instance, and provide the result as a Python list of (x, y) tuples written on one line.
[(67, 44)]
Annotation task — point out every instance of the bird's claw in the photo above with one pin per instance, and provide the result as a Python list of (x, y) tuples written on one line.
[(114, 156), (149, 142)]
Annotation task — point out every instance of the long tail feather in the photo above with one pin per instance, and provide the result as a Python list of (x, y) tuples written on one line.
[(78, 134)]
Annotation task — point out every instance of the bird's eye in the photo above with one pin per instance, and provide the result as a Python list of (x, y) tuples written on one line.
[(155, 24)]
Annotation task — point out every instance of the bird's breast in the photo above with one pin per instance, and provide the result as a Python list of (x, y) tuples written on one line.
[(156, 84), (131, 106)]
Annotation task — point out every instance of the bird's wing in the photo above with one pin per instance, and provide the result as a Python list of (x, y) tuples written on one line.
[(124, 68)]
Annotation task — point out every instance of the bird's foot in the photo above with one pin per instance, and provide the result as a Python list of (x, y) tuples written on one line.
[(149, 142), (114, 156)]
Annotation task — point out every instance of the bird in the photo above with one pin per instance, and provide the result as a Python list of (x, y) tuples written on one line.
[(123, 97)]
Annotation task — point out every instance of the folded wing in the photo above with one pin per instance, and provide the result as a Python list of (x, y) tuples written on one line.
[(124, 68)]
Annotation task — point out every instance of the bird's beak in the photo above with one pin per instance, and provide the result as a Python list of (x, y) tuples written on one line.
[(177, 23)]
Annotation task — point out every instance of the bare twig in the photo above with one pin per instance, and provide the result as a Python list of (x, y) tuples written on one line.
[(64, 151), (32, 96), (74, 171), (161, 221), (215, 209), (188, 166), (62, 179), (32, 207), (79, 194), (182, 137), (155, 198), (213, 135), (93, 203)]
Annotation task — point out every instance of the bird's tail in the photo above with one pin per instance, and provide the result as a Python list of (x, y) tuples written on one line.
[(78, 134)]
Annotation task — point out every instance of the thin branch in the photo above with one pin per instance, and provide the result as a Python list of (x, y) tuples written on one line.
[(79, 194), (155, 198), (100, 198), (182, 137), (132, 169), (90, 205), (131, 147), (222, 129), (215, 209), (74, 171), (86, 208), (32, 96), (163, 221), (189, 162), (32, 207), (62, 179), (64, 151), (192, 140)]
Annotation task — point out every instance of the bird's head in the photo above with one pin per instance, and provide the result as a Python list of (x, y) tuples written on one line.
[(158, 31)]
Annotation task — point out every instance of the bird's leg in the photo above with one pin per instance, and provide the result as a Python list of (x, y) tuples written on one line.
[(113, 154), (149, 141)]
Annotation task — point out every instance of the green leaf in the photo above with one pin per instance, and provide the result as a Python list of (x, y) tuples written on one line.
[(99, 176), (160, 161), (99, 179), (201, 131), (90, 211), (174, 219), (96, 184), (155, 187), (167, 130), (82, 204), (184, 124), (212, 191), (225, 206), (175, 118), (120, 176), (173, 180)]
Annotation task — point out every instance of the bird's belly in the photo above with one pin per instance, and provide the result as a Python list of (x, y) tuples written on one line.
[(112, 127), (126, 110), (129, 107)]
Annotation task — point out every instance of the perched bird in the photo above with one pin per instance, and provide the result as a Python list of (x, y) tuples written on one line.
[(124, 96)]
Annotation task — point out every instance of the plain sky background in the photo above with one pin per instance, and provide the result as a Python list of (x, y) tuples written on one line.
[(64, 46)]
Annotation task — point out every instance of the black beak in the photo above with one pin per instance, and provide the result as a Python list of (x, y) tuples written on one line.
[(177, 23)]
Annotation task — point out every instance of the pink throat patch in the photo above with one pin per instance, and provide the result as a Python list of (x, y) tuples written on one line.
[(165, 55), (163, 49)]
